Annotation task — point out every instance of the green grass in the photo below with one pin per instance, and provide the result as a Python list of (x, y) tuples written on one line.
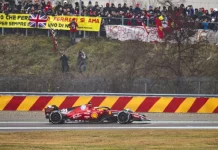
[(111, 140), (34, 55)]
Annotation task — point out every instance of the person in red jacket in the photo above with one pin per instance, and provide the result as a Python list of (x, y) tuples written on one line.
[(158, 22), (73, 30)]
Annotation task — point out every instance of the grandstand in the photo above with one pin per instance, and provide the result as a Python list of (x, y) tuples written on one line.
[(207, 4)]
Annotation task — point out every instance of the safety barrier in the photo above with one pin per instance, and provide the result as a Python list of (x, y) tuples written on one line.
[(141, 103)]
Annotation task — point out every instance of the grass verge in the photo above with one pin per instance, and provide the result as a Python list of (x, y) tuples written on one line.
[(111, 140)]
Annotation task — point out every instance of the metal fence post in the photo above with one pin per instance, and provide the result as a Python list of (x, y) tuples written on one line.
[(146, 87), (199, 87), (2, 31), (122, 20), (84, 34), (48, 33), (26, 32), (147, 21)]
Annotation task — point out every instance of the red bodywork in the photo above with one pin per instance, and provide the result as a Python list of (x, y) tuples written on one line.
[(85, 112)]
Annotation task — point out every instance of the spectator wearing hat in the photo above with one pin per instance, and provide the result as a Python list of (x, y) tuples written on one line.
[(158, 22), (137, 10), (65, 5), (107, 10), (48, 7), (89, 9)]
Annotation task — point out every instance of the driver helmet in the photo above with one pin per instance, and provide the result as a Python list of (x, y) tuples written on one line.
[(90, 104)]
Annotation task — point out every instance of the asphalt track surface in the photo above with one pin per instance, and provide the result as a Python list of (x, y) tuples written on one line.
[(31, 121)]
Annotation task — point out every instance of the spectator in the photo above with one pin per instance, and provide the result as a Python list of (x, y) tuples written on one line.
[(81, 61), (119, 9), (64, 61), (89, 8), (57, 8), (107, 10), (137, 10), (114, 14), (73, 30), (205, 24), (190, 10), (36, 5), (113, 8), (95, 7), (18, 7), (43, 5), (76, 12), (125, 8)]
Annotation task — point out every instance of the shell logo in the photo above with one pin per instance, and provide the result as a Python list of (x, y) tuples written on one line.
[(94, 115)]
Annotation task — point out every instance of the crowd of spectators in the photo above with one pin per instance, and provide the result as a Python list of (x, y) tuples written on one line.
[(113, 15)]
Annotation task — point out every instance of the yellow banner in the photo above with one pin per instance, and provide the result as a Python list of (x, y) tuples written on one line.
[(84, 23), (55, 22), (14, 21)]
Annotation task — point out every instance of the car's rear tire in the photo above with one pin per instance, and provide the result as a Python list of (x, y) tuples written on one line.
[(56, 118), (123, 117)]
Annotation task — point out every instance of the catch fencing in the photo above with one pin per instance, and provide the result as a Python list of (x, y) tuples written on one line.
[(106, 85)]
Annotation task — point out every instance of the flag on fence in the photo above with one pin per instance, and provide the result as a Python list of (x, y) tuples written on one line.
[(144, 26), (37, 20), (54, 39)]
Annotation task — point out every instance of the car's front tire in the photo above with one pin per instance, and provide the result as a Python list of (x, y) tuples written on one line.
[(56, 118), (123, 117)]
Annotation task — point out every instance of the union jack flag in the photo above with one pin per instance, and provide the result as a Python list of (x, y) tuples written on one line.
[(37, 20)]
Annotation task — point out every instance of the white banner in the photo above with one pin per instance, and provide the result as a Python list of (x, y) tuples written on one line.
[(124, 33)]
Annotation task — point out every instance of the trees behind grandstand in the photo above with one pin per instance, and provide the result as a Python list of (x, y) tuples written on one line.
[(171, 2), (182, 49)]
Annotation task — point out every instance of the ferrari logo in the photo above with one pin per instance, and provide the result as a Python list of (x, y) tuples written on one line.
[(94, 115)]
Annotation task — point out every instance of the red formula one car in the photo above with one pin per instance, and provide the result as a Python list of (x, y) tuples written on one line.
[(87, 113)]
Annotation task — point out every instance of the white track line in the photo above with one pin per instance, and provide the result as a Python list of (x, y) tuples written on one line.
[(102, 128)]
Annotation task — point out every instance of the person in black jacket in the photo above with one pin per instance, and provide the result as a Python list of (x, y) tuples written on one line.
[(64, 61)]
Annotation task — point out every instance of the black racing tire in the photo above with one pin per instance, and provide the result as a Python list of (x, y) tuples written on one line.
[(123, 117), (56, 118)]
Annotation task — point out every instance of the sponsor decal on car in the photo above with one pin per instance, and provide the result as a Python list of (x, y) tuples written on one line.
[(87, 113), (64, 111), (94, 115), (86, 117), (76, 116)]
